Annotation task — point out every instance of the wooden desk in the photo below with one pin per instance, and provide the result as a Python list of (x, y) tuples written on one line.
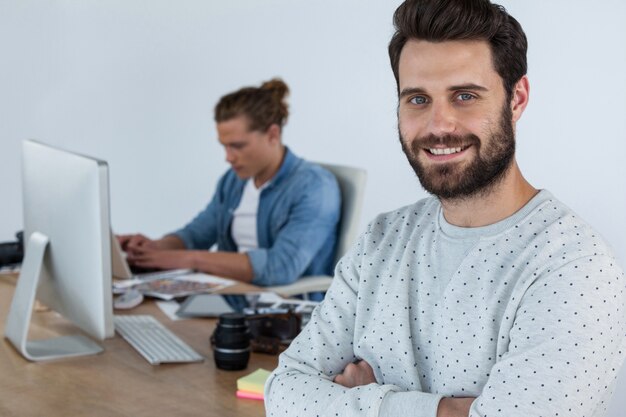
[(119, 382)]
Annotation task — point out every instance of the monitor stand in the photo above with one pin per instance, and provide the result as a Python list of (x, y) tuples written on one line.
[(16, 329)]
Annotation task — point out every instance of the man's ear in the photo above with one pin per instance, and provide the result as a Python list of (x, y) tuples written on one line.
[(273, 132), (521, 94)]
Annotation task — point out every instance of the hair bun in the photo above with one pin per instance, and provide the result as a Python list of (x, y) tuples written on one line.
[(263, 106), (278, 88)]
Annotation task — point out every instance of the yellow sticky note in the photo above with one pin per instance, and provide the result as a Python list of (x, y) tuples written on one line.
[(254, 382)]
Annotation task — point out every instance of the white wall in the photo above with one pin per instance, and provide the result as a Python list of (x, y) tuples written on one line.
[(134, 82)]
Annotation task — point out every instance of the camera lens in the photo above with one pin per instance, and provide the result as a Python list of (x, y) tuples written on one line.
[(231, 342)]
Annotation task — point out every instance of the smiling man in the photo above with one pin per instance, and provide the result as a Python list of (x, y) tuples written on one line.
[(491, 298)]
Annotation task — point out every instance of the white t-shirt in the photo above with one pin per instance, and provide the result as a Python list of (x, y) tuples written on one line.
[(243, 229)]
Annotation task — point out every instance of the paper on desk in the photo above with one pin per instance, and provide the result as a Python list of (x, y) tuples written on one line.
[(181, 285), (249, 395), (10, 269), (202, 277), (121, 285), (253, 382)]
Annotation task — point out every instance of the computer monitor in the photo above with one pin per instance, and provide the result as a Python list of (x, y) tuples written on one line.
[(67, 263)]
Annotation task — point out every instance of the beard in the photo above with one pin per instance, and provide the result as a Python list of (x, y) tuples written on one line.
[(454, 181)]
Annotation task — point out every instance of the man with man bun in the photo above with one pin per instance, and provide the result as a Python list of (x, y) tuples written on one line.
[(273, 216)]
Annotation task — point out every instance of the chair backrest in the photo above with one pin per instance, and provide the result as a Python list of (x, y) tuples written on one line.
[(352, 185)]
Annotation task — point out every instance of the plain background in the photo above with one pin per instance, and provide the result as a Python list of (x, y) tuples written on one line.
[(135, 82)]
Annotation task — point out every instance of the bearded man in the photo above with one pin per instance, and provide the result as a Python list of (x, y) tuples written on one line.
[(490, 298)]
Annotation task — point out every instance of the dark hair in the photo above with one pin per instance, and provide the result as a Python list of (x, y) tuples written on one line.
[(263, 106), (445, 20)]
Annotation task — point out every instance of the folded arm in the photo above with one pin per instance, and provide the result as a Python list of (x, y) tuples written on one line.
[(565, 348), (360, 373), (303, 383)]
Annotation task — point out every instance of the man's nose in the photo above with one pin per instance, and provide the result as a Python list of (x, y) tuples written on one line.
[(230, 156), (442, 119)]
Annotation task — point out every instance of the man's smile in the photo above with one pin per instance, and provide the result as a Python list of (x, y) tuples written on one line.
[(444, 154)]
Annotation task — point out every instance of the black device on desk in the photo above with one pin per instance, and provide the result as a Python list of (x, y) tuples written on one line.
[(12, 253), (270, 328)]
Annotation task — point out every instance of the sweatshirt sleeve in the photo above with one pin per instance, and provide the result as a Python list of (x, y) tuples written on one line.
[(565, 347), (302, 384)]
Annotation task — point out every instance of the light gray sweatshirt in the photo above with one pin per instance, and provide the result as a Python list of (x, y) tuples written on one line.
[(526, 314)]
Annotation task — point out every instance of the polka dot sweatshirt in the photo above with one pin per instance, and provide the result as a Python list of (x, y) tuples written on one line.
[(526, 314)]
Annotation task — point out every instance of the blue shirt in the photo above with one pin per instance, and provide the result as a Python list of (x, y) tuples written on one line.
[(296, 222)]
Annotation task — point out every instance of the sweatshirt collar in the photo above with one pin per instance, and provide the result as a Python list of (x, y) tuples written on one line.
[(496, 228)]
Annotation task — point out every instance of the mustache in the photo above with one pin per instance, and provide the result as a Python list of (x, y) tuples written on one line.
[(448, 141)]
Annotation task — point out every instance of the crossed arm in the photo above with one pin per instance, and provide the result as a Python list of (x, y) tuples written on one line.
[(361, 373), (562, 364)]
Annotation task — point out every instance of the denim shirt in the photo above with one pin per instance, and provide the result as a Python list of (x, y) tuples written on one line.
[(296, 222)]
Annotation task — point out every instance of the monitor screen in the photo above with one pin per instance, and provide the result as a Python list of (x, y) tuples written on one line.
[(66, 207)]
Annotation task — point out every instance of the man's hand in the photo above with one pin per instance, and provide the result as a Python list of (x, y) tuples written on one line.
[(160, 259), (132, 242), (138, 242), (454, 407), (356, 374)]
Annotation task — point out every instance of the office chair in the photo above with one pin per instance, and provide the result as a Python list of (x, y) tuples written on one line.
[(352, 186)]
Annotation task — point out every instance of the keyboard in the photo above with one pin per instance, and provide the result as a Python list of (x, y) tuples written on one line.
[(153, 341)]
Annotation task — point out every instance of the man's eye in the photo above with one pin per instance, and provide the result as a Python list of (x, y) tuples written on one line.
[(418, 100), (465, 97)]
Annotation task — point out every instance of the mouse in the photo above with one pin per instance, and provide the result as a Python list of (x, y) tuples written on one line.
[(131, 298)]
